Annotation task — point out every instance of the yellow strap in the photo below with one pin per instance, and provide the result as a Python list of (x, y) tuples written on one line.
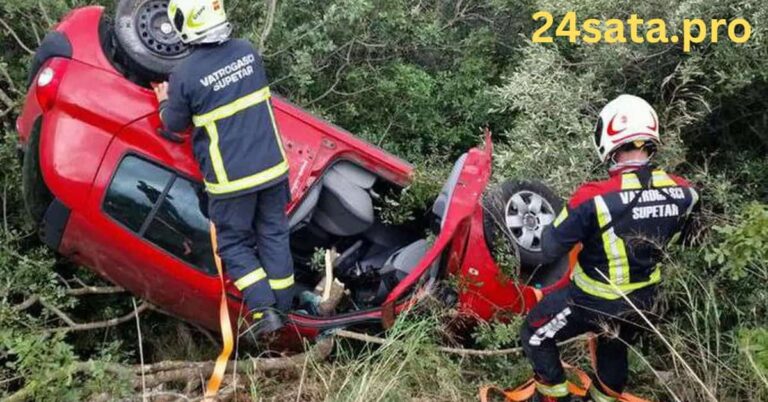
[(214, 383), (280, 284), (262, 177), (613, 245), (248, 280), (232, 108)]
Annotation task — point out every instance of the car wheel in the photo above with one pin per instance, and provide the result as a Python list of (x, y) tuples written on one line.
[(145, 42), (37, 197), (519, 211)]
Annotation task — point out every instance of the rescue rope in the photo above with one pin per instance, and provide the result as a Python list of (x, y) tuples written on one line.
[(214, 383)]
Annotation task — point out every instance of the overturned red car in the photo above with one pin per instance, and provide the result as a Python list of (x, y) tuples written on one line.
[(111, 194)]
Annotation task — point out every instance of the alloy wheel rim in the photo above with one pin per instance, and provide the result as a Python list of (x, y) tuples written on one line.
[(526, 215)]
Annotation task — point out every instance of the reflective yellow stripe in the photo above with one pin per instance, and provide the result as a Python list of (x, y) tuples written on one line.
[(248, 280), (629, 181), (257, 315), (274, 128), (213, 150), (615, 249), (598, 396), (223, 185), (561, 217), (694, 200), (661, 179), (556, 391), (249, 181), (232, 108), (280, 284), (607, 291)]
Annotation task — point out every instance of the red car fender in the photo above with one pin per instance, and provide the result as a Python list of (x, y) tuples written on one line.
[(464, 201), (81, 26)]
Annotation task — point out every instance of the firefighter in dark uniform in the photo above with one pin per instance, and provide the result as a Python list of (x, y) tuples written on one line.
[(623, 224), (222, 89)]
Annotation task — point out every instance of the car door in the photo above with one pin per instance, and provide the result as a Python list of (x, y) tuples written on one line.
[(451, 242), (146, 230)]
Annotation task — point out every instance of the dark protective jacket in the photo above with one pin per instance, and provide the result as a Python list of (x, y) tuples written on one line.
[(623, 223), (222, 90)]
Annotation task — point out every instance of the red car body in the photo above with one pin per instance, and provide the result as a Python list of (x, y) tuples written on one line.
[(90, 117)]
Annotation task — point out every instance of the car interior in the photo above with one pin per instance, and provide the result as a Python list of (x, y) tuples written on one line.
[(340, 212)]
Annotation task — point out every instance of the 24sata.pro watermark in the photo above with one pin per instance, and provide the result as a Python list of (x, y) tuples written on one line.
[(637, 30)]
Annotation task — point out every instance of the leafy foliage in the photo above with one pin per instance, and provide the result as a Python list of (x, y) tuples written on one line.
[(744, 244)]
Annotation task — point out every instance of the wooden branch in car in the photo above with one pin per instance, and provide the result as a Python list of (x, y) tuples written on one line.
[(335, 294)]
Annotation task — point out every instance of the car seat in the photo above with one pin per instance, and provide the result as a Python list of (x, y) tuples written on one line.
[(439, 208), (345, 205), (304, 211), (398, 266)]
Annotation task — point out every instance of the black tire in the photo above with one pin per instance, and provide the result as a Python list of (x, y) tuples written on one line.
[(37, 197), (145, 43), (498, 205)]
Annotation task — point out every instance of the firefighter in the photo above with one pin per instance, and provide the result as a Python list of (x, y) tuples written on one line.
[(623, 223), (222, 90)]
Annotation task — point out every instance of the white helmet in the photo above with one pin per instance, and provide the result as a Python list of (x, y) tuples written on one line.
[(199, 21), (624, 120)]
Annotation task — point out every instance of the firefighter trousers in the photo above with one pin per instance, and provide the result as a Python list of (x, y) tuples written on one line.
[(253, 242), (570, 312)]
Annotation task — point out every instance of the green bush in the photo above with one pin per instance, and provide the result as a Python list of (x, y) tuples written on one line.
[(743, 245)]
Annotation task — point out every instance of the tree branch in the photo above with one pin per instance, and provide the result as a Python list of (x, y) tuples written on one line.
[(94, 290), (27, 303), (15, 36), (271, 7), (173, 371), (74, 326), (47, 18)]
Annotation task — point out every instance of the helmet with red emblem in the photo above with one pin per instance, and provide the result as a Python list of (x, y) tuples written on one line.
[(623, 121)]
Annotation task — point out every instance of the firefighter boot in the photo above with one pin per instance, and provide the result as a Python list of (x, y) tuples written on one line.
[(265, 322)]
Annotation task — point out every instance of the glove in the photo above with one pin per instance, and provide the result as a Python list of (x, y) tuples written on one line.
[(170, 136)]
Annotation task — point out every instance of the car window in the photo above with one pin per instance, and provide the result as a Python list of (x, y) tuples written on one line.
[(180, 227), (163, 208), (134, 190)]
